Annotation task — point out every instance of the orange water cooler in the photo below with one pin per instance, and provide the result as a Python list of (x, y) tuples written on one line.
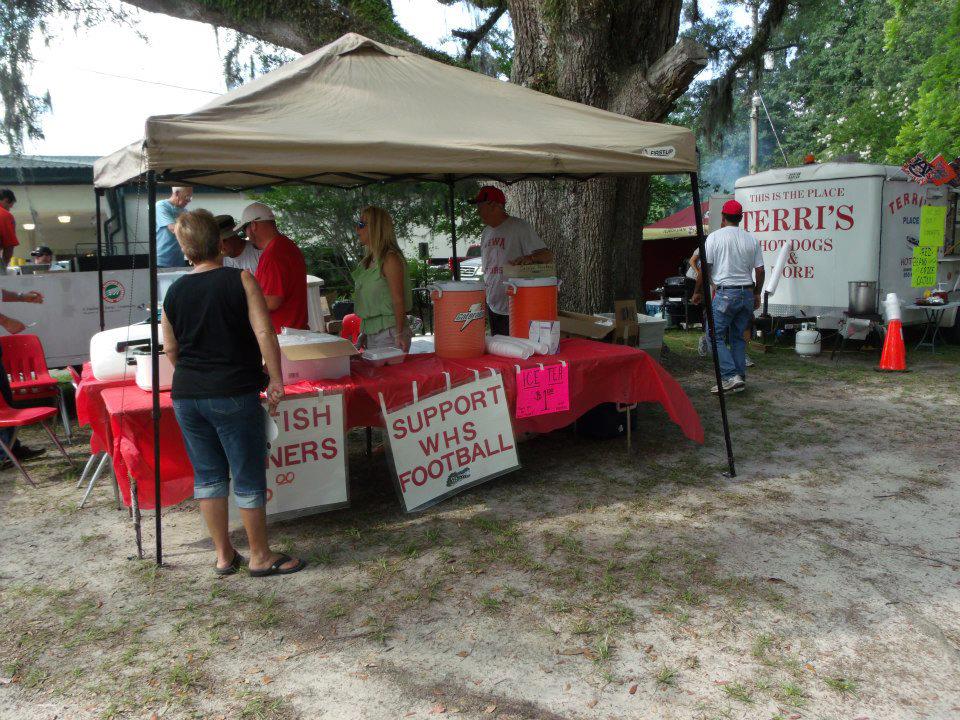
[(531, 299), (459, 319)]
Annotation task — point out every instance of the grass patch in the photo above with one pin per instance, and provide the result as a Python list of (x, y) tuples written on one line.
[(739, 692), (841, 685), (666, 677)]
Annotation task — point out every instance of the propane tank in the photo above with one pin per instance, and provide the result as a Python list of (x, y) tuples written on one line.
[(808, 341)]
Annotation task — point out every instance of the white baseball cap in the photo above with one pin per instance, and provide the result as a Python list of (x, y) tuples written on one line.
[(254, 212)]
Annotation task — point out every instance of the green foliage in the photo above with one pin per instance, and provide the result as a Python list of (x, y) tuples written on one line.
[(932, 124), (322, 221), (841, 82)]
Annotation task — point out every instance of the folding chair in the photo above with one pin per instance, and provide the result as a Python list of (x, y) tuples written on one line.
[(26, 366), (12, 417)]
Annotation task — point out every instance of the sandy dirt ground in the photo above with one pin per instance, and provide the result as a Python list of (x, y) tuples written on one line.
[(822, 582)]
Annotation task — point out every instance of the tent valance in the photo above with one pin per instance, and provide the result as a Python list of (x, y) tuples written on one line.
[(357, 111)]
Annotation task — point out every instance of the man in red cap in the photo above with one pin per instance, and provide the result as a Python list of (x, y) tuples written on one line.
[(506, 240), (734, 257)]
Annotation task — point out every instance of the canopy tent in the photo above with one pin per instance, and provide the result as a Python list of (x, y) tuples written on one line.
[(357, 112)]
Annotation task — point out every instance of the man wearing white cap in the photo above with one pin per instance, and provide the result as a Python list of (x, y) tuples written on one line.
[(281, 272)]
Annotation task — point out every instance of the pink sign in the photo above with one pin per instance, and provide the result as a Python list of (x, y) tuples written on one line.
[(542, 390)]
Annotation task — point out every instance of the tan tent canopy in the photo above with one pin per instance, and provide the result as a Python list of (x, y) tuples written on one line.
[(357, 111)]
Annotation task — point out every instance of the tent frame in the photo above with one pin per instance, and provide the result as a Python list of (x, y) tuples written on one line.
[(186, 178)]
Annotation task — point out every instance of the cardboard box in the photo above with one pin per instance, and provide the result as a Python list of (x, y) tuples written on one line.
[(314, 356), (537, 270), (588, 326)]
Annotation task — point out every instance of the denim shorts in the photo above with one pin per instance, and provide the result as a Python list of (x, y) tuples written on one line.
[(226, 436)]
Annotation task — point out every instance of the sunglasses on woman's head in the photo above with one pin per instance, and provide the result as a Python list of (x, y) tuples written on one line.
[(361, 224)]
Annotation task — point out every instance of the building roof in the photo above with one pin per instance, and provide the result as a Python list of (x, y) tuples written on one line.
[(46, 169)]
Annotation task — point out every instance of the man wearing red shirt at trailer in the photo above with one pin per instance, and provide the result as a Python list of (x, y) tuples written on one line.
[(8, 227), (282, 271)]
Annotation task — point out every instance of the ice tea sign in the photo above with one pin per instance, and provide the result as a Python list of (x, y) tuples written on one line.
[(448, 442), (306, 458), (542, 390)]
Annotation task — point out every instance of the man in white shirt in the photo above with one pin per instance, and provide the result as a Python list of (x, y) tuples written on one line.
[(734, 258), (237, 252), (506, 240)]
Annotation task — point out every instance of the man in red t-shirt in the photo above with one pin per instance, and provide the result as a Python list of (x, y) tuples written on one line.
[(8, 227), (282, 271)]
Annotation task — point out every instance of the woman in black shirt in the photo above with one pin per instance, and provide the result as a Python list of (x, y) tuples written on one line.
[(217, 333)]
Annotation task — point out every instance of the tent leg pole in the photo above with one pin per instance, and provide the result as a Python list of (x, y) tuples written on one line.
[(453, 228), (708, 306), (97, 194), (155, 351)]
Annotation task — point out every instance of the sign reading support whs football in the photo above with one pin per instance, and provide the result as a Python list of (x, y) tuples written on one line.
[(448, 442)]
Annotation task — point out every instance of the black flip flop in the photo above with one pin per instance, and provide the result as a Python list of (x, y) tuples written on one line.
[(275, 569), (234, 565)]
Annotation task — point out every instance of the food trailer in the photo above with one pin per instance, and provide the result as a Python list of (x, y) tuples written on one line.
[(845, 222)]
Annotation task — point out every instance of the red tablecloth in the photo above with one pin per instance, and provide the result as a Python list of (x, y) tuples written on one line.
[(91, 410), (598, 373)]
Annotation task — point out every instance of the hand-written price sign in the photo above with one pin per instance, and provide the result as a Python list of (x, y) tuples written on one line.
[(450, 441), (306, 462), (924, 273), (932, 226), (542, 390)]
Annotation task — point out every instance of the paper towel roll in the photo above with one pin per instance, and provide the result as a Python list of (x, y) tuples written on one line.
[(498, 346), (774, 279)]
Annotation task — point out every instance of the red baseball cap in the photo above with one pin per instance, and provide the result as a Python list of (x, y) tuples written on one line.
[(488, 193), (732, 207)]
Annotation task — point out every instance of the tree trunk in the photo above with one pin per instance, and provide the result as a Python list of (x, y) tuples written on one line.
[(619, 55)]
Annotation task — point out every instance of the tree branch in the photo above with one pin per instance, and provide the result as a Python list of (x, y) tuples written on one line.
[(649, 93), (475, 37), (719, 108), (298, 25)]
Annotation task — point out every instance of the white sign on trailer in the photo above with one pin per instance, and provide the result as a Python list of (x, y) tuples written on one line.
[(70, 314), (448, 442)]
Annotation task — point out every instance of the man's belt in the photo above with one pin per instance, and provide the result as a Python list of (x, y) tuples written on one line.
[(735, 287)]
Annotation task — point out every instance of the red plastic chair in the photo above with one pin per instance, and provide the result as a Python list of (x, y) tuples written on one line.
[(12, 417), (350, 328), (26, 366)]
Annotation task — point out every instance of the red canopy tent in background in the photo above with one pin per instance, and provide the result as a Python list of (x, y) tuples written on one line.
[(666, 245)]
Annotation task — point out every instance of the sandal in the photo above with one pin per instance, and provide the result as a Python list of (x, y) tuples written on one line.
[(234, 565), (276, 568)]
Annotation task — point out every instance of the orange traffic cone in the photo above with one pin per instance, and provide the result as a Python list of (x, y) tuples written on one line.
[(894, 355)]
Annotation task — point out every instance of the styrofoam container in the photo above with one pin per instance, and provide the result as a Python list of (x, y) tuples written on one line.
[(144, 376), (383, 356), (650, 329), (295, 371), (108, 364)]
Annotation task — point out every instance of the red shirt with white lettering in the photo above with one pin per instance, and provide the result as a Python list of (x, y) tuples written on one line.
[(282, 271), (8, 229)]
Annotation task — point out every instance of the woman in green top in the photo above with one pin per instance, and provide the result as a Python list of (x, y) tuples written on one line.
[(382, 295)]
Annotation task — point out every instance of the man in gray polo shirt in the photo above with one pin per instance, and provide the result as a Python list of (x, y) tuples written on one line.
[(734, 258)]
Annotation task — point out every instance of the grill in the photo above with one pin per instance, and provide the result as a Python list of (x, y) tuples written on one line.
[(468, 271)]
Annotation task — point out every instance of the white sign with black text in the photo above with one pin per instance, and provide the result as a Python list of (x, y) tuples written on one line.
[(307, 458), (448, 442)]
